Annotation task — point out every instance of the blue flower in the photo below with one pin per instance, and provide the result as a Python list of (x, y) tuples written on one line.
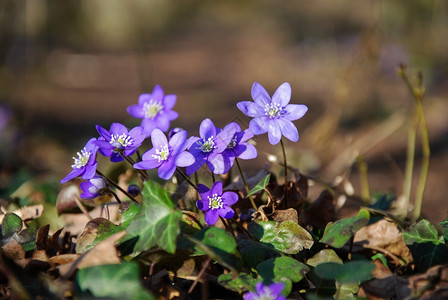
[(119, 141), (273, 116), (215, 203), (85, 164), (237, 147), (262, 292), (212, 141), (166, 156), (155, 110), (93, 188)]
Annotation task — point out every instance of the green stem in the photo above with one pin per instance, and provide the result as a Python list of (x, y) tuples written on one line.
[(363, 177), (245, 184), (419, 119), (410, 157), (286, 172), (116, 186)]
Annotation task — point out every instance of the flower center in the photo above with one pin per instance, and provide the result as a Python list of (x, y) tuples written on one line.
[(266, 296), (215, 201), (272, 110), (162, 154), (233, 143), (206, 145), (82, 160), (120, 141), (151, 109)]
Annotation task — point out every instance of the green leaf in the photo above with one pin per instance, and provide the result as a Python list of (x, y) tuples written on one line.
[(130, 210), (157, 222), (254, 252), (338, 233), (261, 185), (351, 272), (287, 237), (219, 244), (241, 283), (11, 224), (121, 281), (323, 256), (427, 248), (444, 225), (282, 269)]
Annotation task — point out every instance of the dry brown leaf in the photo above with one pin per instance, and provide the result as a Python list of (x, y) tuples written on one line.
[(285, 215), (13, 250), (320, 212), (385, 235)]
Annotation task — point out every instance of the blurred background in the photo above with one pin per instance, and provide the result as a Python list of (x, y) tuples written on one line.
[(66, 66)]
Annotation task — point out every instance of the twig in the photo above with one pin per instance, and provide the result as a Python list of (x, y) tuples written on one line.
[(207, 262)]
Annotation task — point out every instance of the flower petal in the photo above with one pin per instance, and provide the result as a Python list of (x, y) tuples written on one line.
[(211, 216), (204, 192), (226, 212), (250, 109), (147, 164), (90, 171), (169, 101), (258, 125), (144, 98), (73, 174), (177, 141), (288, 130), (294, 111), (200, 160), (136, 111), (103, 132), (170, 115), (216, 188), (162, 123), (249, 153), (148, 126), (184, 159), (259, 94), (207, 129), (158, 138), (229, 198), (202, 204), (274, 132), (219, 163), (166, 170), (157, 94), (118, 129), (282, 95)]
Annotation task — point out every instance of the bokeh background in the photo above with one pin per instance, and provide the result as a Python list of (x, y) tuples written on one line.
[(68, 65)]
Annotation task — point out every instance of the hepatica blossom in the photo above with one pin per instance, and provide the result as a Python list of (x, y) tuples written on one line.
[(155, 110), (85, 164), (274, 115), (92, 188), (237, 147), (166, 156), (215, 203), (262, 292), (119, 140), (205, 148)]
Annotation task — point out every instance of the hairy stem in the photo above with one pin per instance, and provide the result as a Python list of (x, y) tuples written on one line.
[(245, 184), (286, 172)]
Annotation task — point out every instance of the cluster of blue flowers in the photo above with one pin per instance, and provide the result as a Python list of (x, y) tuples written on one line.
[(217, 148)]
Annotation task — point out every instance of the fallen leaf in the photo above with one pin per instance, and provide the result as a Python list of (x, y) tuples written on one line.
[(13, 250), (320, 212), (282, 215)]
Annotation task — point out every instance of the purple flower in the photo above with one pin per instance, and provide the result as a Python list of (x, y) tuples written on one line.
[(215, 203), (205, 148), (119, 140), (166, 155), (271, 292), (237, 147), (85, 163), (155, 110), (273, 116), (93, 188)]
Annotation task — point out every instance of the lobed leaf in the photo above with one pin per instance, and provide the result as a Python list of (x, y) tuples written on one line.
[(157, 222), (261, 185)]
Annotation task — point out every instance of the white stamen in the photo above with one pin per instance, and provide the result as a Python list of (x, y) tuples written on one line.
[(152, 108), (272, 110), (233, 143), (82, 160), (121, 141), (215, 202), (206, 145), (162, 154)]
